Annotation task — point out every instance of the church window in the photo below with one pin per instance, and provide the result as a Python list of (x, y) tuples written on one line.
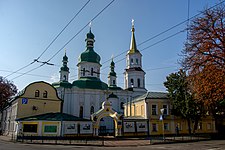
[(92, 71), (92, 110), (132, 82), (136, 61), (131, 61), (37, 93), (81, 112), (64, 77), (139, 82), (114, 82), (83, 71), (45, 94), (121, 105)]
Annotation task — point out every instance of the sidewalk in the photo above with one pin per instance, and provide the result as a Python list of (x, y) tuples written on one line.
[(5, 138)]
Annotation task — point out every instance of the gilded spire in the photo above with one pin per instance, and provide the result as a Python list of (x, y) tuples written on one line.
[(133, 47)]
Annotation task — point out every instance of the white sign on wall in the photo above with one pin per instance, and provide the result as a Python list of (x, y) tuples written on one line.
[(129, 127), (70, 128), (86, 128), (142, 127)]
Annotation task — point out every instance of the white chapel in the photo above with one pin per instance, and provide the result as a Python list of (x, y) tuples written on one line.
[(85, 96)]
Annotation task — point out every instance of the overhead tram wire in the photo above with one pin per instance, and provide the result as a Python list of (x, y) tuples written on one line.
[(64, 28), (27, 72), (151, 45), (19, 69), (161, 33), (47, 62), (36, 60), (80, 30)]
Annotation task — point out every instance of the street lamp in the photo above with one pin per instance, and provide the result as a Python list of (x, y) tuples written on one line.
[(161, 118)]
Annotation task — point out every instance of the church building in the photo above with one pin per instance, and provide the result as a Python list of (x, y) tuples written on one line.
[(84, 97)]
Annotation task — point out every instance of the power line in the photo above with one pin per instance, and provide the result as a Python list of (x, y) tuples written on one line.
[(161, 33), (151, 45), (19, 69), (26, 74), (80, 31), (46, 62), (36, 60), (64, 29)]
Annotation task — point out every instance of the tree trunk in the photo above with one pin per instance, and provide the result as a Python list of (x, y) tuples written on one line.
[(189, 126), (195, 125)]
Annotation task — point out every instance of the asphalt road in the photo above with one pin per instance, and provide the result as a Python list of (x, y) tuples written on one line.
[(203, 145)]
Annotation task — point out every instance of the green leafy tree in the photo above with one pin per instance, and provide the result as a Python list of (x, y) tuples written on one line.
[(182, 100), (7, 90)]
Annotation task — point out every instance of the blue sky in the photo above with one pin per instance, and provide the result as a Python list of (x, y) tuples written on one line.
[(28, 26)]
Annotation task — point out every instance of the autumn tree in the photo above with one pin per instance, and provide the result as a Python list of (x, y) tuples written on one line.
[(7, 90), (204, 57), (182, 100)]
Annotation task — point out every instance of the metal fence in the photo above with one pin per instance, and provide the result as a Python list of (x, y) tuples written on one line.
[(109, 140)]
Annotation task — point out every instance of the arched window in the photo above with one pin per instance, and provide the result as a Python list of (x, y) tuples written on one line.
[(136, 61), (114, 82), (121, 105), (83, 71), (37, 93), (132, 82), (92, 71), (81, 112), (64, 77), (139, 82), (131, 61), (92, 110), (45, 94)]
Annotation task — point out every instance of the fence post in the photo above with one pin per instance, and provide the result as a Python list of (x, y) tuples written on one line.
[(22, 138), (56, 140), (103, 141)]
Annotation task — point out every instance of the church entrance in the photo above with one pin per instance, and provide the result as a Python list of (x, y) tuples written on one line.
[(106, 127), (106, 121)]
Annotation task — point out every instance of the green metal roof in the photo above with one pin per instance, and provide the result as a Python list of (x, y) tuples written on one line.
[(114, 88), (52, 117), (89, 55), (64, 68), (64, 84), (90, 83)]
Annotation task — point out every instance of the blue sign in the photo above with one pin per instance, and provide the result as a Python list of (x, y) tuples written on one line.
[(24, 100)]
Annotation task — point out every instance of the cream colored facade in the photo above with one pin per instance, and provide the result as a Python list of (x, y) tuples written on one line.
[(149, 107), (37, 98), (38, 103)]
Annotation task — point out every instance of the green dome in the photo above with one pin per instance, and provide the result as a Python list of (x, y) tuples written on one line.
[(89, 56), (90, 35), (64, 68), (65, 58)]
